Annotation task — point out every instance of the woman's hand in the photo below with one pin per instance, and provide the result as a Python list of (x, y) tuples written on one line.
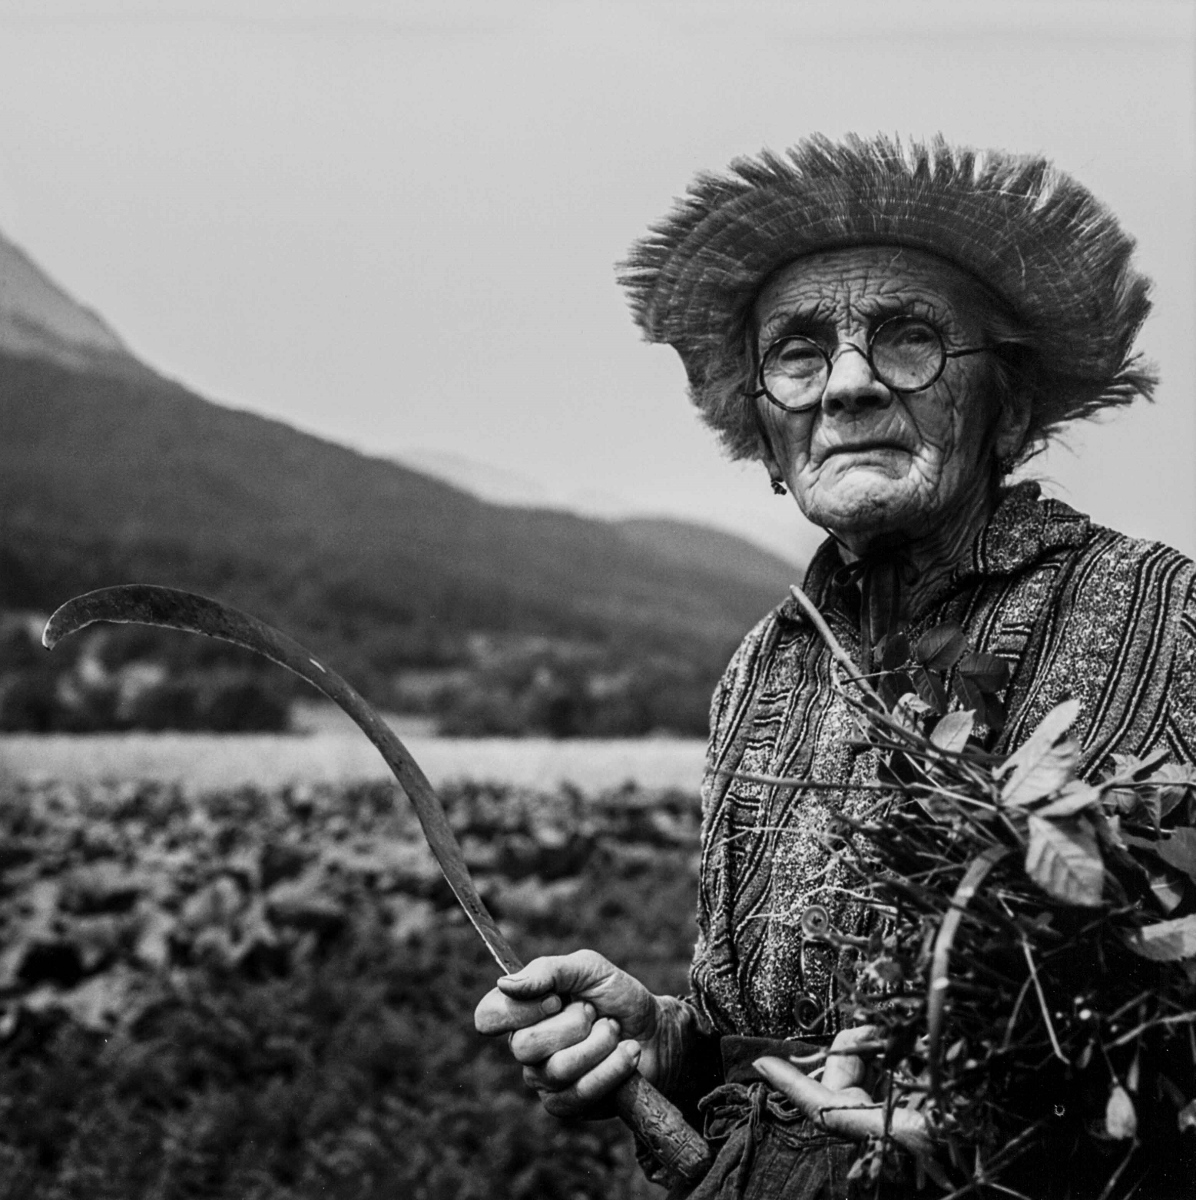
[(576, 1054), (838, 1104)]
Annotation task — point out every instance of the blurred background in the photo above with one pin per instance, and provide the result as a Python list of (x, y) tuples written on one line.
[(394, 226), (310, 305)]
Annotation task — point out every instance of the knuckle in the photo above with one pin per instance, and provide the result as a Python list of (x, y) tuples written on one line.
[(590, 962), (596, 1085), (556, 1073), (611, 1032), (560, 1104), (577, 1019), (524, 1048)]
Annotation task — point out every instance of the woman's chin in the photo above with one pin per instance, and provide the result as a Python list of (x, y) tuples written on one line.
[(864, 504)]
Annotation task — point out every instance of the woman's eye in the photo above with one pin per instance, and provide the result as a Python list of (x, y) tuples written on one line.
[(909, 333), (798, 356)]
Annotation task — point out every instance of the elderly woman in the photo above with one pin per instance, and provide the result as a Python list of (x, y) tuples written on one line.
[(889, 329)]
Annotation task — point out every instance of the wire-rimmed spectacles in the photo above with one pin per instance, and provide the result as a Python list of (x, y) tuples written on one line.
[(906, 354)]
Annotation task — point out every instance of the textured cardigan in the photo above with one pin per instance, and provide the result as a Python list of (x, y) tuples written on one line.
[(1075, 610)]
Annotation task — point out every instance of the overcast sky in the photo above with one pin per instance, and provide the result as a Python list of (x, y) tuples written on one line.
[(395, 224)]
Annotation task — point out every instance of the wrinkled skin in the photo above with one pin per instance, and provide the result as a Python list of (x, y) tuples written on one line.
[(576, 1055), (868, 461), (865, 462)]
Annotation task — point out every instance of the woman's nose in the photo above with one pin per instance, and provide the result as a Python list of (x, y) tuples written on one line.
[(851, 387)]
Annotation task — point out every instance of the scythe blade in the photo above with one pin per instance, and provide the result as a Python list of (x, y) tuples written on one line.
[(142, 604), (681, 1149)]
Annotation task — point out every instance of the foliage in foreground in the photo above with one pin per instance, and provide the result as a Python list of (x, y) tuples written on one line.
[(1031, 969), (267, 995)]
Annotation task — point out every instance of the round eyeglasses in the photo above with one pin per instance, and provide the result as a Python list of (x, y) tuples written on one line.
[(906, 354)]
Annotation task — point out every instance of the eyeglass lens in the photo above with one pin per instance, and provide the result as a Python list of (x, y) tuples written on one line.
[(905, 354)]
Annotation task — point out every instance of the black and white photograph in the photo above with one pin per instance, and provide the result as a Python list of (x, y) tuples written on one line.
[(597, 600)]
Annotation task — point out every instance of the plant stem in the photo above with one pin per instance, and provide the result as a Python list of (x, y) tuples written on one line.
[(832, 644)]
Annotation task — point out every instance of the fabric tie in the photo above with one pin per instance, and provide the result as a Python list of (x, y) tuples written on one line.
[(882, 577)]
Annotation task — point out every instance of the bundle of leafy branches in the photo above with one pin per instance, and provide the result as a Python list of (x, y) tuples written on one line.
[(1031, 965)]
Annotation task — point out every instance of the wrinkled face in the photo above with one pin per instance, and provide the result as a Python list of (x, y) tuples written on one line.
[(868, 460)]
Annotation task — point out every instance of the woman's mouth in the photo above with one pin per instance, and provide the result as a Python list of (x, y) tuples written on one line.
[(869, 447)]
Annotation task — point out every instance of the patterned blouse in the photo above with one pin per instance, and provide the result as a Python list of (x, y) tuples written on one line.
[(1075, 610)]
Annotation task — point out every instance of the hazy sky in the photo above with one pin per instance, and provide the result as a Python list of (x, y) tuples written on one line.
[(396, 224)]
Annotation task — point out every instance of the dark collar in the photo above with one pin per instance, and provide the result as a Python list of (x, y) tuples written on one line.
[(1023, 529)]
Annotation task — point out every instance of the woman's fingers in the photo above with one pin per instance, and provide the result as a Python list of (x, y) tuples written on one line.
[(570, 974), (498, 1013), (844, 1069), (596, 1084), (828, 1108), (848, 1112), (574, 1055), (583, 975), (538, 1042), (566, 1066)]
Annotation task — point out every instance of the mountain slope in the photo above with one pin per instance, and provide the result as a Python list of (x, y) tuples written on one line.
[(538, 618), (141, 467), (38, 318)]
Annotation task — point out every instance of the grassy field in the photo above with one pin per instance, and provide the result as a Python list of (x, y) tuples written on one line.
[(265, 993), (209, 761)]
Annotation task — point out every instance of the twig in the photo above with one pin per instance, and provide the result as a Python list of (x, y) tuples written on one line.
[(1017, 1007), (1182, 1019), (832, 644), (1046, 1016), (940, 979), (1125, 1162)]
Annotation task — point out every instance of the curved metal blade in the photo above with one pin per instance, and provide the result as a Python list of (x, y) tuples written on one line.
[(143, 604)]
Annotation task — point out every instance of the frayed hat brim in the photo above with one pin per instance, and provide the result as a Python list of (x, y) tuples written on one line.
[(1032, 235)]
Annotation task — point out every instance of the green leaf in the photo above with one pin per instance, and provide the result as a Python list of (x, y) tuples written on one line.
[(909, 711), (994, 713), (1166, 941), (1133, 802), (987, 672), (1040, 767), (929, 685), (1072, 801), (1121, 1121), (1168, 889), (1042, 776), (893, 686), (1149, 845), (893, 651), (1179, 851), (1176, 781), (952, 732), (970, 696), (939, 649), (1064, 860), (1050, 729), (1129, 768)]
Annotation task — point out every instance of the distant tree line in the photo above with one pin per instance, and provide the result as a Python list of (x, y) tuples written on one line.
[(494, 669), (132, 678)]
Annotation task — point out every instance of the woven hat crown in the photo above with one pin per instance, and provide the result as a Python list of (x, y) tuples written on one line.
[(1034, 237)]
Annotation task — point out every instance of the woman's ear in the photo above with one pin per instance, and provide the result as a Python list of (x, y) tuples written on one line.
[(1013, 422)]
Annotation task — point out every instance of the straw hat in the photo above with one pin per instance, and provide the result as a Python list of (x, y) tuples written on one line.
[(1037, 239)]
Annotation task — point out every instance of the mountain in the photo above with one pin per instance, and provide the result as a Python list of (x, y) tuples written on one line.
[(111, 473), (39, 319), (143, 464)]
